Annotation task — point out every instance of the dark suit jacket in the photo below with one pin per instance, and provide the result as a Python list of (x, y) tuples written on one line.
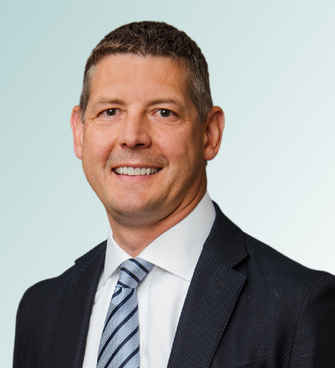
[(247, 306)]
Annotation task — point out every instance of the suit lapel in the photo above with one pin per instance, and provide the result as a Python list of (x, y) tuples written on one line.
[(211, 298), (78, 298)]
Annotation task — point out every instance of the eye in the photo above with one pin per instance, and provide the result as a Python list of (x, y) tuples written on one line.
[(110, 112), (164, 113)]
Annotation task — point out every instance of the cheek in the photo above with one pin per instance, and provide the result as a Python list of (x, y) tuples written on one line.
[(96, 149), (185, 151), (189, 146)]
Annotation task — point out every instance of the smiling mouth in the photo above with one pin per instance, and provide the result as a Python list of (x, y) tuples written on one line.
[(136, 171)]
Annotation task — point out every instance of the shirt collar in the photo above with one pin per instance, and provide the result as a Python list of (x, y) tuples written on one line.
[(177, 250)]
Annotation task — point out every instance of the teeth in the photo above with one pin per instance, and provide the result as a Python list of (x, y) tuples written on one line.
[(135, 171)]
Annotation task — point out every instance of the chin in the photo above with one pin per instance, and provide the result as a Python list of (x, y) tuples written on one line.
[(132, 209)]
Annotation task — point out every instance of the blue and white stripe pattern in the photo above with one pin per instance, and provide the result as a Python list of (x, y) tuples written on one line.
[(120, 344)]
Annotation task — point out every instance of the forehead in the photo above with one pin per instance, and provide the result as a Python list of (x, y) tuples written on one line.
[(130, 72)]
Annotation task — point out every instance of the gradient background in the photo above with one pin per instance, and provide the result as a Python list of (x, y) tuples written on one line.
[(272, 71)]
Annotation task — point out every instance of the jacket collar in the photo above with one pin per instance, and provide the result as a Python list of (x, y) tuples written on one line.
[(212, 296)]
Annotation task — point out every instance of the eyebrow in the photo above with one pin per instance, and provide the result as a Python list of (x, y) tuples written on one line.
[(108, 101), (163, 100)]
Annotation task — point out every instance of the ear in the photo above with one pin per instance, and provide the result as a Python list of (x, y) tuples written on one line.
[(77, 127), (214, 126)]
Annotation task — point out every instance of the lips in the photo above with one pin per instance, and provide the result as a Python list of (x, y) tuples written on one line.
[(136, 171)]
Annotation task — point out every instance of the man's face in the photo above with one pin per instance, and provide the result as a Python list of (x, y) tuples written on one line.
[(140, 117)]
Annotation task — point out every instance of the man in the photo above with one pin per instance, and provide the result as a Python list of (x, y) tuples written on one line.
[(176, 284)]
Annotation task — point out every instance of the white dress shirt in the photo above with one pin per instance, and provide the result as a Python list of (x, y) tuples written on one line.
[(161, 294)]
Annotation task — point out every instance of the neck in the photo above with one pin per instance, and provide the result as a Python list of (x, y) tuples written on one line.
[(134, 238)]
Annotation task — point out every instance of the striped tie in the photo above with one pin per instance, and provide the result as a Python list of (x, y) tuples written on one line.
[(120, 344)]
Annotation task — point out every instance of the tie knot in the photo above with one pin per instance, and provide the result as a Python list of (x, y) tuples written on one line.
[(133, 271)]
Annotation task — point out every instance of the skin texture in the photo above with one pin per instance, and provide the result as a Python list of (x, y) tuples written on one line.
[(140, 115)]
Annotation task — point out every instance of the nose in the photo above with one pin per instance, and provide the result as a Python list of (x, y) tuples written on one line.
[(135, 133)]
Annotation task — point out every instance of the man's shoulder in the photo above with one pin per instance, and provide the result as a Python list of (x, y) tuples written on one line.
[(57, 302), (53, 287), (260, 262), (274, 267)]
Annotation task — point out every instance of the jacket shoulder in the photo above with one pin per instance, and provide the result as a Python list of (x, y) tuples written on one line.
[(252, 257), (51, 286), (272, 263), (40, 308)]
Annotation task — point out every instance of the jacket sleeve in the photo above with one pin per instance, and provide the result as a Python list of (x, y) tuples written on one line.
[(314, 343)]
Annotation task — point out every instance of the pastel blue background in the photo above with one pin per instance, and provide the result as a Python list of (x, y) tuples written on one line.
[(272, 71)]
